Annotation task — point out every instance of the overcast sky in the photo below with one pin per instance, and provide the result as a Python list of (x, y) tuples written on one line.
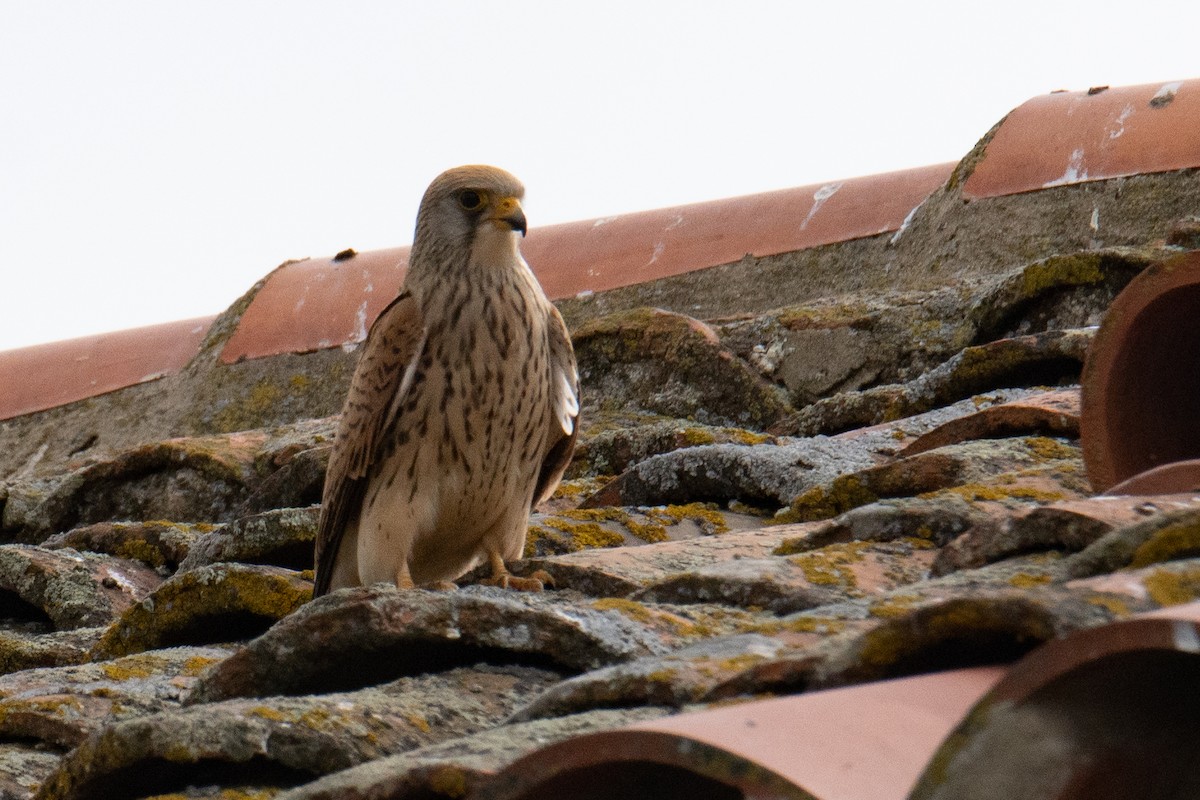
[(157, 158)]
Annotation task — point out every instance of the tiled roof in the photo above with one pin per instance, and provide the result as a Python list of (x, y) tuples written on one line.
[(873, 530)]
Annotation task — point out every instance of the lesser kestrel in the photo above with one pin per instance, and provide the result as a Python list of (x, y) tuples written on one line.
[(462, 413)]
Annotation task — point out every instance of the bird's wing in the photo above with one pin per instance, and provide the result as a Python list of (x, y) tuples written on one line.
[(384, 376), (564, 382)]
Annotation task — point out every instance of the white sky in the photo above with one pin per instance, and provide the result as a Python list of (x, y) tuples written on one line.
[(157, 158)]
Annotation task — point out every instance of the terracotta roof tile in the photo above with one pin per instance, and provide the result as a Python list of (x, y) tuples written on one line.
[(330, 302), (595, 255), (317, 303), (1110, 706), (47, 375), (863, 743), (1072, 137), (1139, 389)]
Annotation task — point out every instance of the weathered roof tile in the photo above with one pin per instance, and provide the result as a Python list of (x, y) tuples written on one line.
[(48, 375), (1065, 138)]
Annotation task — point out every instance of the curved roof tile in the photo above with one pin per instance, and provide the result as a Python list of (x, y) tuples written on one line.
[(47, 375), (329, 302), (1074, 137), (865, 742)]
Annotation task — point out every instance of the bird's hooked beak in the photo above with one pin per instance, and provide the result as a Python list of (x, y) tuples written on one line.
[(508, 212)]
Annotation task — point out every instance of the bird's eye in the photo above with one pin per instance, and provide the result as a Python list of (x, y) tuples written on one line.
[(471, 200)]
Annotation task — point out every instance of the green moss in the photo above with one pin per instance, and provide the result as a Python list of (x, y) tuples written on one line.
[(1175, 541)]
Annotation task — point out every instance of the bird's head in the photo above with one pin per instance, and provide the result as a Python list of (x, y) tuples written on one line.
[(470, 208)]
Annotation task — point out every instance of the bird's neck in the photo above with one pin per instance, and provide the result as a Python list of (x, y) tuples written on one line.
[(492, 261)]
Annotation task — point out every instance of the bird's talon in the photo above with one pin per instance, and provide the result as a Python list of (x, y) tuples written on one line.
[(440, 586)]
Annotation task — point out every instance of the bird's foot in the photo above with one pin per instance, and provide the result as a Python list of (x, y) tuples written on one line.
[(440, 586), (536, 582)]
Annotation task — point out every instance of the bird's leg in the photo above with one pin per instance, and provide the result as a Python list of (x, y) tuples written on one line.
[(404, 578), (404, 581), (506, 580)]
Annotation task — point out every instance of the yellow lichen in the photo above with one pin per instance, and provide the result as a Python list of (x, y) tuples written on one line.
[(630, 608), (197, 664), (141, 550), (890, 642), (824, 317), (892, 607), (843, 494), (648, 532), (664, 677), (997, 492), (1173, 587), (1077, 269), (824, 626), (586, 534), (1026, 580), (249, 411), (706, 515), (1177, 540), (1050, 449), (419, 722), (793, 546), (133, 667), (829, 566), (316, 718), (1117, 605), (449, 781), (266, 712), (748, 437), (650, 617), (693, 437), (533, 535), (175, 606)]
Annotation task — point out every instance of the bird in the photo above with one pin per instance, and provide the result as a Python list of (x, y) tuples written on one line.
[(463, 411)]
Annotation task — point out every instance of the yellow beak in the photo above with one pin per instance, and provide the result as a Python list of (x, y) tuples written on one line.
[(508, 211)]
